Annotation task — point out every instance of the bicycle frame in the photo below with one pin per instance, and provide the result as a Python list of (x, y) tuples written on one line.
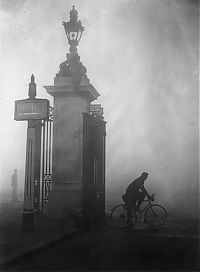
[(133, 212), (147, 206)]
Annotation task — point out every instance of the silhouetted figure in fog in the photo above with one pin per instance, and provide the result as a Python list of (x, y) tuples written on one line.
[(135, 194), (14, 185)]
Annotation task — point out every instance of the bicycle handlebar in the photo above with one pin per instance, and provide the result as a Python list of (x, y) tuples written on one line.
[(147, 199)]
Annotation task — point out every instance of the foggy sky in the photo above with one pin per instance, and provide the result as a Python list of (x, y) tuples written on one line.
[(141, 56)]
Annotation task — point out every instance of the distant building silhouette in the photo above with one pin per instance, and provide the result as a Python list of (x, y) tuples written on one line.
[(14, 185)]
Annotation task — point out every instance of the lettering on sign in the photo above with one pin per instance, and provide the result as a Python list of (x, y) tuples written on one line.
[(96, 109), (27, 109)]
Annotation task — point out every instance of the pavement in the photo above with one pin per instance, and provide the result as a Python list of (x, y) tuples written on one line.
[(171, 229), (15, 243), (106, 248)]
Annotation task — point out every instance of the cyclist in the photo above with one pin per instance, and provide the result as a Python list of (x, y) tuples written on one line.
[(135, 194)]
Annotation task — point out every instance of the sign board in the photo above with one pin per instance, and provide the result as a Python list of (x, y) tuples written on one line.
[(31, 109), (96, 109)]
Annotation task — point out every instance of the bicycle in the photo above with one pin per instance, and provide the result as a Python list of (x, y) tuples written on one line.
[(153, 214)]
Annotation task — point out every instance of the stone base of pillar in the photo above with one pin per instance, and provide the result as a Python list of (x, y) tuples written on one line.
[(65, 200), (27, 221)]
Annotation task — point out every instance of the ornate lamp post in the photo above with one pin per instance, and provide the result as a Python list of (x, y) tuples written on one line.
[(72, 67), (73, 94), (73, 30)]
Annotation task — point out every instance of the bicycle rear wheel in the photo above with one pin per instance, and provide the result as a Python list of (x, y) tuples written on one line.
[(156, 215), (119, 216)]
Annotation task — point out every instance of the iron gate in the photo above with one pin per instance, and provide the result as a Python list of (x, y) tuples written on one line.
[(46, 160), (43, 163)]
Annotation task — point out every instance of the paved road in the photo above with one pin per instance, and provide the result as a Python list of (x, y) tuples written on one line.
[(111, 249)]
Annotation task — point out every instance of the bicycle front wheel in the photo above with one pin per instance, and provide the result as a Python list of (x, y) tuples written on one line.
[(119, 216), (156, 215)]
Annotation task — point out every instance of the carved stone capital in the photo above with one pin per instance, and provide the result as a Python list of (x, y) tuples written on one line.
[(73, 68)]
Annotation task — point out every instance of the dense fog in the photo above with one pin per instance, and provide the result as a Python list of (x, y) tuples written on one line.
[(142, 57)]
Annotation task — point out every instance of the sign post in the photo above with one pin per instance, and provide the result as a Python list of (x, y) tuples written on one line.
[(32, 110), (28, 212)]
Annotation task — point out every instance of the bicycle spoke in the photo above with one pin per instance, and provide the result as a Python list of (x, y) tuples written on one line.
[(119, 216), (156, 216)]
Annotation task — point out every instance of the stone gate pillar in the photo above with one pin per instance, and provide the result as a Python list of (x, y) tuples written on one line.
[(72, 93)]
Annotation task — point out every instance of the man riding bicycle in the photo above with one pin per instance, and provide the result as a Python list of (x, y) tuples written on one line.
[(135, 194)]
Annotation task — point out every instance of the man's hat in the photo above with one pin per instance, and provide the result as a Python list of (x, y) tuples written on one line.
[(145, 174)]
